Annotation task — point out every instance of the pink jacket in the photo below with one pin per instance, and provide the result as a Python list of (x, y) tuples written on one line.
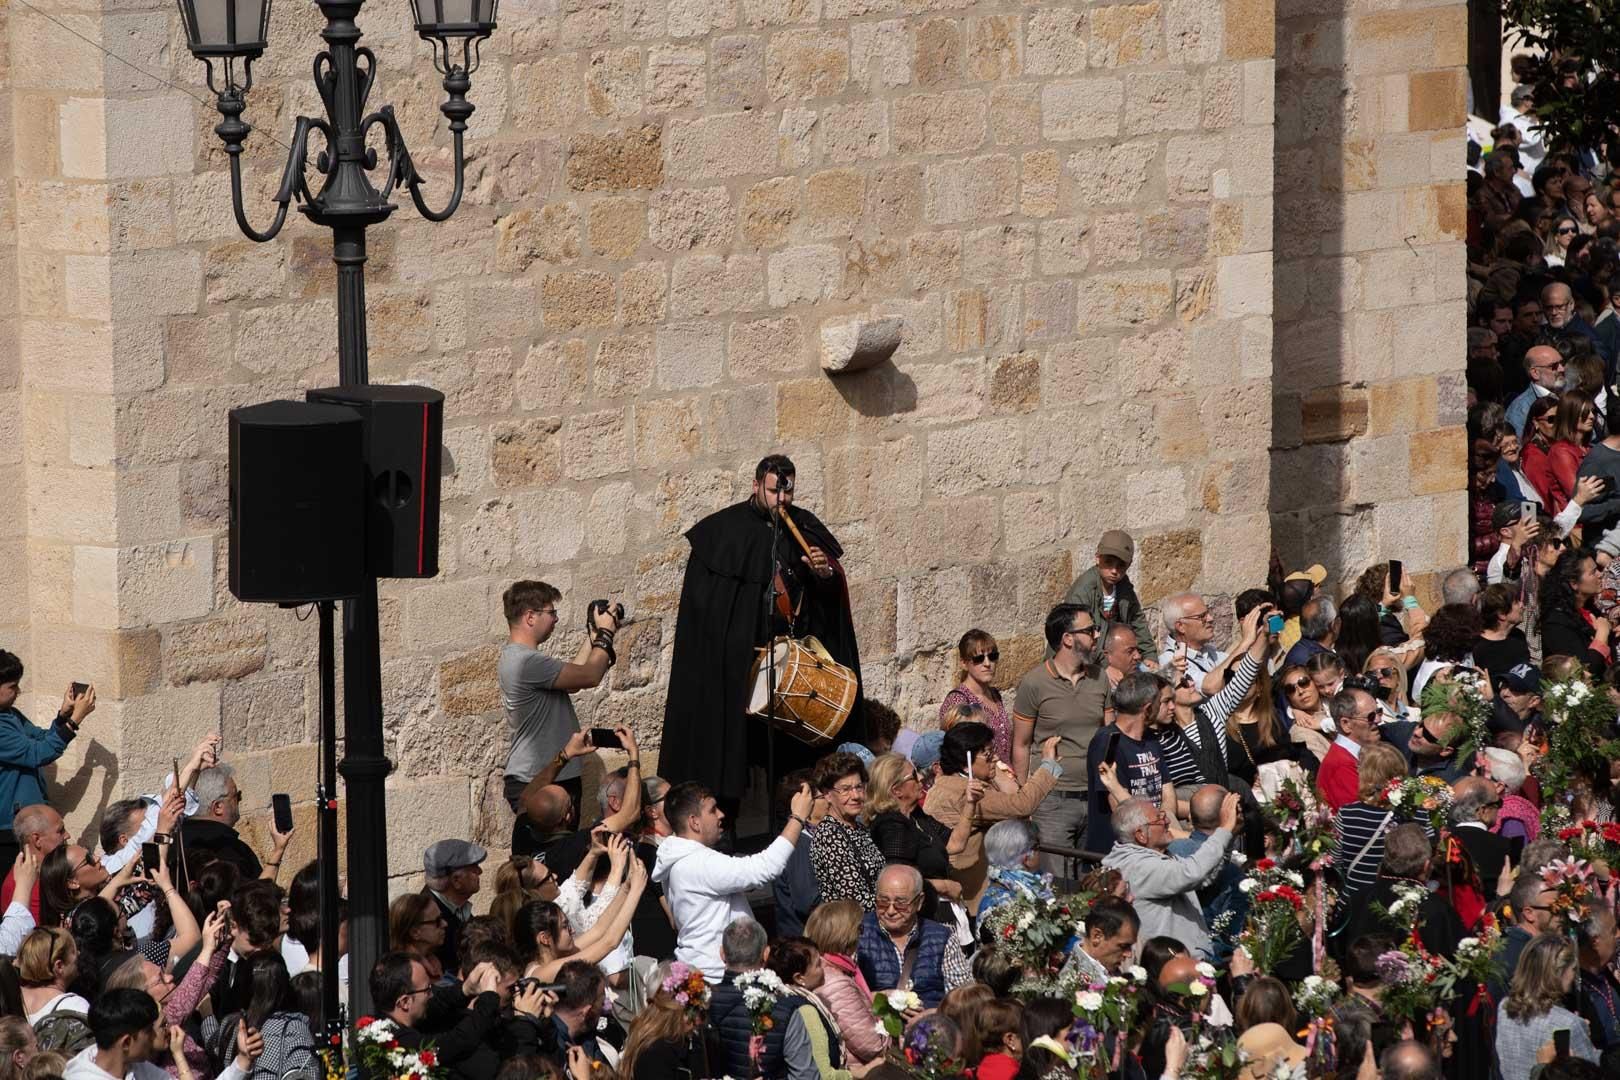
[(845, 994)]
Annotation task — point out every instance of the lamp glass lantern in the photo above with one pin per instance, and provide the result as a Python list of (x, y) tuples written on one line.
[(454, 24), (231, 29)]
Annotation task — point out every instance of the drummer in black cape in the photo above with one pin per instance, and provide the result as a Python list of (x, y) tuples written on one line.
[(723, 622)]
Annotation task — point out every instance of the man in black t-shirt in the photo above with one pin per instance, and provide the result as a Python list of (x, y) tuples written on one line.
[(1501, 646), (1125, 761)]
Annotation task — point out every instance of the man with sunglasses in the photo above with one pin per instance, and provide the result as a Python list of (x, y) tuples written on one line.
[(1545, 365), (1357, 715), (1064, 697)]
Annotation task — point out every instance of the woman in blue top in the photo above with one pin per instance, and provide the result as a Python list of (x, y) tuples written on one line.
[(26, 749)]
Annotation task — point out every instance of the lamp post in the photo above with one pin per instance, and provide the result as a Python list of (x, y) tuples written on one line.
[(227, 36)]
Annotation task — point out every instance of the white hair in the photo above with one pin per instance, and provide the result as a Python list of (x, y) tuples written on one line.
[(1130, 816), (1174, 607), (212, 785), (1007, 842), (1460, 586), (1505, 768)]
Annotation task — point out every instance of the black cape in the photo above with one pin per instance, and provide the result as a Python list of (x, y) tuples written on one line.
[(707, 736)]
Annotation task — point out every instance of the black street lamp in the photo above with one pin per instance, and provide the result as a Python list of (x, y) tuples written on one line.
[(227, 36)]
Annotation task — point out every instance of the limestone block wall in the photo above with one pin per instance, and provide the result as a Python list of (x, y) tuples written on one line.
[(1069, 207), (1370, 456)]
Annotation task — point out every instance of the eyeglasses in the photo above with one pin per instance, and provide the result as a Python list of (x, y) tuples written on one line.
[(89, 858), (908, 778), (893, 903), (1299, 684), (1557, 365), (1563, 230), (1370, 717), (545, 611), (413, 991), (1091, 630), (1202, 616), (849, 789), (437, 920), (978, 658), (1498, 802), (1384, 672)]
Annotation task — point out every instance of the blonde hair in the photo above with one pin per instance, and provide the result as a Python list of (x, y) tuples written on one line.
[(1538, 981), (46, 1063), (15, 1035), (662, 1020), (835, 927), (884, 773), (1378, 765), (1385, 653), (38, 954)]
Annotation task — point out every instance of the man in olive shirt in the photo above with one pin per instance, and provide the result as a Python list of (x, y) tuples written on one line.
[(1066, 697)]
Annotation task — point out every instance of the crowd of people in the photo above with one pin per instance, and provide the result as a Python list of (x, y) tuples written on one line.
[(1081, 877)]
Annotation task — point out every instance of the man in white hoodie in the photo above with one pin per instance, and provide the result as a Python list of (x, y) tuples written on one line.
[(706, 889), (129, 1034)]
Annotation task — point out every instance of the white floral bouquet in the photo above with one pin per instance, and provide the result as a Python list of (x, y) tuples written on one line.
[(1104, 1008), (1316, 996), (1411, 796), (760, 992), (376, 1044), (1275, 903), (890, 1008), (1037, 934)]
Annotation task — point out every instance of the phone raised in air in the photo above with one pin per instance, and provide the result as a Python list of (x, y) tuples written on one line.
[(149, 857), (281, 811), (1111, 751), (79, 688), (1274, 623), (1396, 576), (604, 738)]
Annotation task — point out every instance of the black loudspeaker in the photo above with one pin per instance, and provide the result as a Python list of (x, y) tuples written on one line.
[(297, 513), (404, 426)]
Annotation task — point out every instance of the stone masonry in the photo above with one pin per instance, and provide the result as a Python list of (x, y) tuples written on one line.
[(1068, 206)]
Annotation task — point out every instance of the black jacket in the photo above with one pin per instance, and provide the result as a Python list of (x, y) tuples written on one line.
[(448, 953), (206, 840), (1565, 633), (460, 1036)]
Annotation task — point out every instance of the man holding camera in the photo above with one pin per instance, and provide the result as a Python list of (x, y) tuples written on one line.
[(535, 688)]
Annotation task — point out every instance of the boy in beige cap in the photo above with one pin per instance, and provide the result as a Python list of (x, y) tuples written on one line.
[(1107, 591)]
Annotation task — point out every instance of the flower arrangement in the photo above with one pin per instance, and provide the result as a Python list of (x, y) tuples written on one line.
[(1460, 693), (1593, 841), (1103, 1008), (1213, 1054), (1578, 742), (760, 992), (928, 1051), (1409, 975), (1275, 904), (1574, 884), (1474, 961), (1429, 796), (686, 985), (1306, 823), (890, 1007), (376, 1044), (1037, 934), (1316, 996)]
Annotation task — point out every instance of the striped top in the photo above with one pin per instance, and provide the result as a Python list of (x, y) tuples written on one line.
[(1179, 745), (1355, 827)]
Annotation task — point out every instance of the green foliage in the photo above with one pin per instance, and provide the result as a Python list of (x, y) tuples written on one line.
[(1577, 75)]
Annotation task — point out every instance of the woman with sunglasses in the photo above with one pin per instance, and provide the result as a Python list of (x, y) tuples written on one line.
[(910, 837), (1572, 433), (417, 926), (976, 656), (1385, 666), (1539, 425), (1562, 233)]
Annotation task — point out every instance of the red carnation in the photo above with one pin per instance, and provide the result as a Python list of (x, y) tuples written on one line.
[(1588, 823), (1265, 864), (364, 1020), (428, 1058), (1569, 833)]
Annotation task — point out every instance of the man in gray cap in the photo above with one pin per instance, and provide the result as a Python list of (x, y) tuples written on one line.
[(1106, 591), (453, 872)]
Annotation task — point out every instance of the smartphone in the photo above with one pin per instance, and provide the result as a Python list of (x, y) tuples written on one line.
[(79, 688), (149, 857), (1395, 576), (1274, 623), (1561, 1043), (604, 739), (281, 810), (1112, 750), (1527, 511)]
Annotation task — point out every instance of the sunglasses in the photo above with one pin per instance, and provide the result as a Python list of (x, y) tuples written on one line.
[(892, 903), (1298, 684), (1383, 672), (978, 658), (1566, 232)]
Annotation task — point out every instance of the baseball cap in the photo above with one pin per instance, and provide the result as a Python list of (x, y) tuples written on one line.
[(1523, 679), (1118, 543), (441, 858), (925, 751), (858, 750), (1316, 573), (1521, 92)]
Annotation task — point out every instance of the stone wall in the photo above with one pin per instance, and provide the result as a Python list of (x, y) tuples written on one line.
[(1069, 207), (1370, 458)]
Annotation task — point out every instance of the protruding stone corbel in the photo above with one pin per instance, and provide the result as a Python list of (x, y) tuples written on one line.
[(857, 344)]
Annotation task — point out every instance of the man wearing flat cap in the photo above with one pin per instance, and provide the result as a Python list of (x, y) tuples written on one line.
[(453, 871)]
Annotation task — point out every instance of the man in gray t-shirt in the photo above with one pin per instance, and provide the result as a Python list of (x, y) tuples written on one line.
[(535, 688)]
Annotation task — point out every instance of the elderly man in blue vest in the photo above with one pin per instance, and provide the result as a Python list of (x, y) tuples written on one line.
[(743, 948), (899, 948)]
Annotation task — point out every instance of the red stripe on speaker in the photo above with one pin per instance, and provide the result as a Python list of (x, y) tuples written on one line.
[(421, 498)]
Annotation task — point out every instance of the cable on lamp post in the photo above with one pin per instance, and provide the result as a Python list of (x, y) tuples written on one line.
[(227, 36)]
